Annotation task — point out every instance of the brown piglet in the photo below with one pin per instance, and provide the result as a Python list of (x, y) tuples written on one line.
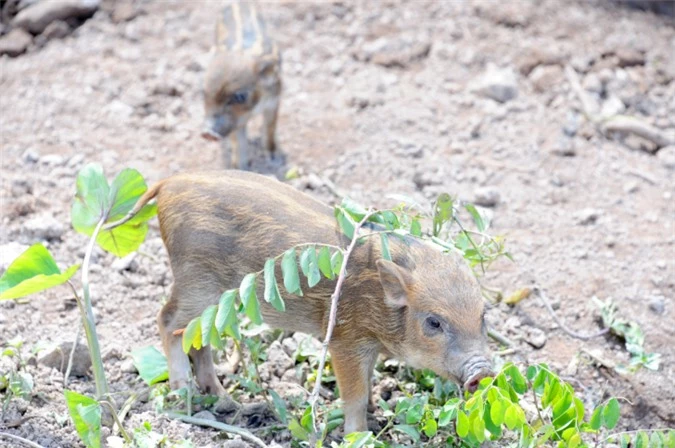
[(243, 78), (423, 307)]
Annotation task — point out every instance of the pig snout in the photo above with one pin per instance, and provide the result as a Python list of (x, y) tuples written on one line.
[(475, 370), (216, 127)]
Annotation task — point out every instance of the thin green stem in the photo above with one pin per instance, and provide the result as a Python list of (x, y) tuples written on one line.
[(115, 417), (89, 322)]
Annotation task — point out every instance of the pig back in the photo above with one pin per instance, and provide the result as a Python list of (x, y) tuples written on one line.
[(242, 28)]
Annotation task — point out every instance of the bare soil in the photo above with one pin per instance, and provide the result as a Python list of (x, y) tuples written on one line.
[(378, 98)]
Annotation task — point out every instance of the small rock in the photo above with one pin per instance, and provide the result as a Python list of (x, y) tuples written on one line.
[(52, 160), (15, 42), (30, 156), (44, 227), (630, 57), (535, 337), (612, 106), (563, 147), (528, 59), (546, 77), (396, 51), (9, 252), (593, 84), (657, 304), (168, 89), (56, 30), (235, 444), (225, 405), (36, 17), (128, 366), (124, 11), (587, 216), (278, 359), (127, 263), (631, 187), (426, 178), (499, 84), (57, 358), (667, 156), (206, 415), (486, 196)]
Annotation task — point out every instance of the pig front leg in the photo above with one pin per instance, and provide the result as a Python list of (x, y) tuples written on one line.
[(239, 142), (270, 113), (353, 368)]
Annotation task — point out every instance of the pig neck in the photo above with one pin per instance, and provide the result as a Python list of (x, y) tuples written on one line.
[(362, 302)]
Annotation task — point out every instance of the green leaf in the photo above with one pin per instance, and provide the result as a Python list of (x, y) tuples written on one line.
[(517, 380), (33, 271), (324, 263), (297, 431), (151, 365), (478, 426), (447, 414), (226, 317), (249, 298), (192, 336), (85, 412), (280, 406), (95, 200), (356, 211), (336, 262), (490, 425), (272, 294), (477, 218), (411, 431), (462, 425), (208, 321), (289, 269), (347, 225), (310, 266), (511, 417), (443, 212), (430, 427), (641, 440), (596, 418), (416, 227), (610, 414), (385, 247), (497, 409)]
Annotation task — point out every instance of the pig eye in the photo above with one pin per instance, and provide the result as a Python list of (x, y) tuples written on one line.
[(433, 323), (238, 98)]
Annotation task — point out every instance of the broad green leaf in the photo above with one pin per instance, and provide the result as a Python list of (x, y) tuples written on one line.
[(477, 218), (355, 210), (411, 431), (641, 440), (596, 418), (490, 425), (656, 440), (33, 271), (386, 254), (497, 410), (430, 427), (478, 427), (208, 321), (151, 365), (280, 406), (336, 262), (448, 413), (310, 266), (249, 298), (289, 269), (226, 317), (85, 412), (298, 431), (95, 200), (416, 227), (324, 263), (610, 413), (442, 212), (272, 294), (511, 417), (531, 373), (574, 441), (346, 224), (517, 380), (192, 336), (462, 425)]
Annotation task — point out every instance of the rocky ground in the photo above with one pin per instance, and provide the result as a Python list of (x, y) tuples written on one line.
[(418, 98)]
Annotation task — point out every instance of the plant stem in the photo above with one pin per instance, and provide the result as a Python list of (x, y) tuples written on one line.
[(217, 425), (19, 439), (89, 322), (497, 336), (115, 417), (313, 398)]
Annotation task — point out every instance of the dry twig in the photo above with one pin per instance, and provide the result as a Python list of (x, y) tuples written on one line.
[(19, 439), (218, 425), (547, 304)]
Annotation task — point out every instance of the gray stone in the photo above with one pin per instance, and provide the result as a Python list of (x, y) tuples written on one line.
[(53, 160), (15, 42), (44, 227), (56, 30), (30, 156), (587, 216), (9, 252), (546, 77), (486, 196), (127, 263), (657, 304), (278, 359), (205, 415), (499, 84), (128, 366), (535, 337), (225, 405), (58, 356), (593, 84), (667, 156), (612, 106), (38, 16)]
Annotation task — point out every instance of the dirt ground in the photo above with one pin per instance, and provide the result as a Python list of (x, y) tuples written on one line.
[(379, 98)]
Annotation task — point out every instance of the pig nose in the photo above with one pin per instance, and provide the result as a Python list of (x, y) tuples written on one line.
[(472, 383)]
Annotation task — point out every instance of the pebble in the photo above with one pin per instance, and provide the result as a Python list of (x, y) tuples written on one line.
[(58, 356), (667, 156), (44, 227), (205, 415), (546, 77), (30, 156), (486, 196), (593, 84), (127, 263), (612, 106), (52, 160), (657, 304), (56, 30), (499, 84), (15, 43), (278, 360), (128, 366), (225, 405), (587, 216), (36, 17)]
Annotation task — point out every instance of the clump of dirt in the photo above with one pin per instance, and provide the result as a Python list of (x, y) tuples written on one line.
[(379, 98)]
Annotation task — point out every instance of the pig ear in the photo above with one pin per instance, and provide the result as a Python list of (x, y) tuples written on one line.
[(395, 281)]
